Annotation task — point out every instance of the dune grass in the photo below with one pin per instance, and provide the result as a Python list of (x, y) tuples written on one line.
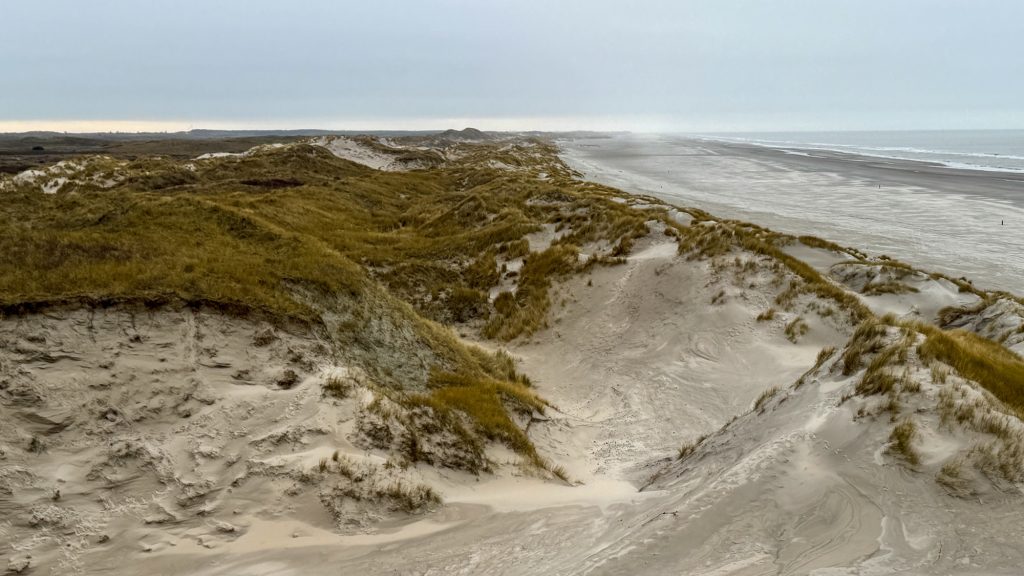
[(709, 238), (796, 329), (764, 397), (992, 366), (382, 259), (901, 441), (888, 287), (376, 260)]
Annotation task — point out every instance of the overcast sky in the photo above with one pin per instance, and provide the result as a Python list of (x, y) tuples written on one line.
[(687, 65)]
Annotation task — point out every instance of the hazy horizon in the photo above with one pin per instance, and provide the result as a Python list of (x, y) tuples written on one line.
[(650, 66)]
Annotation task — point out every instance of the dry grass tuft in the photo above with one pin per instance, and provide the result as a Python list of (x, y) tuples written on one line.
[(796, 329), (902, 441), (995, 368), (867, 339), (689, 447), (763, 399), (888, 287), (336, 387)]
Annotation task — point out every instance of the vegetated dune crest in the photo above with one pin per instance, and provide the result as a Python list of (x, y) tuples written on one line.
[(717, 398)]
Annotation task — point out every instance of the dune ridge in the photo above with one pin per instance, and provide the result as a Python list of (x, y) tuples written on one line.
[(459, 348)]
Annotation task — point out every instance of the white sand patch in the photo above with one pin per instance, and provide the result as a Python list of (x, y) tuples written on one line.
[(145, 430), (211, 155), (93, 171), (53, 186), (357, 152)]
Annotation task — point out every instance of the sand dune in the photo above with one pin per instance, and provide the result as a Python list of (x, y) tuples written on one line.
[(714, 413)]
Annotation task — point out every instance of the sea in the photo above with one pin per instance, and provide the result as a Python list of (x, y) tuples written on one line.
[(996, 150), (964, 229)]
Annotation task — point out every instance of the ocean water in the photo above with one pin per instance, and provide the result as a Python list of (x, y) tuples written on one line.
[(1001, 150), (963, 230)]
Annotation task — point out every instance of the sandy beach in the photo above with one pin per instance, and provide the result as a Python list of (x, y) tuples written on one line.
[(961, 222)]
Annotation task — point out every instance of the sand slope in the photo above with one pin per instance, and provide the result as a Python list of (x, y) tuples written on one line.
[(185, 441), (641, 358)]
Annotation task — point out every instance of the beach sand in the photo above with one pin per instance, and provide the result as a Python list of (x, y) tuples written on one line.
[(960, 222)]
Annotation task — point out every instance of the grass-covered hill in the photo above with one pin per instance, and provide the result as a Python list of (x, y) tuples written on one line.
[(382, 263), (379, 261)]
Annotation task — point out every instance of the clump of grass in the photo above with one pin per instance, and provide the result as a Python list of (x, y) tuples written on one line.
[(718, 298), (786, 297), (951, 476), (408, 498), (765, 396), (525, 311), (689, 447), (483, 273), (1001, 460), (823, 356), (867, 339), (515, 248), (940, 374), (901, 441), (796, 329), (992, 366), (336, 387), (36, 446), (465, 304), (558, 471), (766, 316), (815, 242), (888, 287), (486, 404), (623, 247)]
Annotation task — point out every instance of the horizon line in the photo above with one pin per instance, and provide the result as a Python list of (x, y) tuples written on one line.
[(648, 125)]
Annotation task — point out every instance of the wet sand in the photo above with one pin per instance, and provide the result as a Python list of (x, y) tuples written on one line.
[(961, 222)]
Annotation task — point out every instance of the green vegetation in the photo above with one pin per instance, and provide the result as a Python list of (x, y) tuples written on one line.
[(525, 311), (375, 261)]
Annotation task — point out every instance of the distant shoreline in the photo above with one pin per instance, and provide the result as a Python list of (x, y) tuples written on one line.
[(958, 221), (987, 183), (983, 155)]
